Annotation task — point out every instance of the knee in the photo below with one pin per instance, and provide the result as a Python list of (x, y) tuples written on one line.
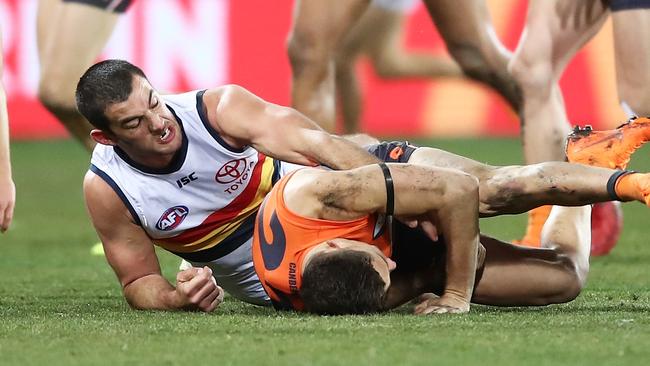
[(308, 51), (387, 66), (533, 75), (56, 99), (571, 290), (471, 60), (501, 189), (571, 283), (496, 197), (476, 65)]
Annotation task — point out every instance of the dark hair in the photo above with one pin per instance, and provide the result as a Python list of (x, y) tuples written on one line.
[(104, 83), (342, 282)]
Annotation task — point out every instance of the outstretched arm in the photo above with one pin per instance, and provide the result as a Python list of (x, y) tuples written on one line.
[(448, 197), (131, 254), (283, 133), (7, 188)]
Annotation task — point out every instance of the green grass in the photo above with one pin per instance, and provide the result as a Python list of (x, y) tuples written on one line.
[(61, 306)]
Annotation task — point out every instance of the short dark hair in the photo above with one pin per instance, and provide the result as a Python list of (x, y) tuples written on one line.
[(342, 282), (104, 83)]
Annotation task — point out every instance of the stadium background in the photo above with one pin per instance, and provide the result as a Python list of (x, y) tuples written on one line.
[(192, 44), (59, 305)]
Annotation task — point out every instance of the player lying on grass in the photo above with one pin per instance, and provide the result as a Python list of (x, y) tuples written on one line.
[(322, 243), (188, 172)]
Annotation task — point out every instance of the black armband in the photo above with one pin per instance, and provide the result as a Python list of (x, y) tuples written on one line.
[(611, 183), (390, 190)]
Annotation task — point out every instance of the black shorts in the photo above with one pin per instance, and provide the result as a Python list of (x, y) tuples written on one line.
[(413, 250), (115, 6), (617, 5), (392, 152)]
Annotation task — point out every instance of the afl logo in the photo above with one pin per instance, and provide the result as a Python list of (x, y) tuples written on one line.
[(231, 171), (172, 218)]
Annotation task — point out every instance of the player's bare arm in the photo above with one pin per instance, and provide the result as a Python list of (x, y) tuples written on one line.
[(131, 254), (280, 132), (7, 187), (446, 196)]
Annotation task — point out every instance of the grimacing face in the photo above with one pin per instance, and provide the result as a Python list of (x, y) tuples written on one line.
[(143, 126), (382, 264)]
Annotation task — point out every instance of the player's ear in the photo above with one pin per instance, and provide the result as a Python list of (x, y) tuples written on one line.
[(102, 137)]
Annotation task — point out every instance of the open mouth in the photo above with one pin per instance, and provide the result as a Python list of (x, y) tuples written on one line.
[(165, 135)]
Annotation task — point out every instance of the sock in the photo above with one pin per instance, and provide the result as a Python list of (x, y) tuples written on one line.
[(536, 219), (627, 187), (613, 180)]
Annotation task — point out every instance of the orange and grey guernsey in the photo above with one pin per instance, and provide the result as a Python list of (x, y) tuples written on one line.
[(282, 238), (202, 206)]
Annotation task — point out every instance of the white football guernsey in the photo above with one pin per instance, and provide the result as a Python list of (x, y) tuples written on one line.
[(202, 206)]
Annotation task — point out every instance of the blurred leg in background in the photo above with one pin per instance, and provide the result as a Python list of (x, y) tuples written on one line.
[(468, 32), (379, 35), (316, 33), (70, 36), (7, 187), (631, 23), (554, 32)]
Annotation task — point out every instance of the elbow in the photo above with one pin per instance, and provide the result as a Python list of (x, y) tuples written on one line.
[(133, 305), (130, 299), (130, 296), (132, 290), (320, 138), (463, 188)]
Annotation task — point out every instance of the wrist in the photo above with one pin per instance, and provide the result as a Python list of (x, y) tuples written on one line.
[(457, 295), (179, 301)]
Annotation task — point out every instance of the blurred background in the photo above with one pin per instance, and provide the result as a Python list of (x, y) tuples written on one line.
[(60, 305), (194, 44)]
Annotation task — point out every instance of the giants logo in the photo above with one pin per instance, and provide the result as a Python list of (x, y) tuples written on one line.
[(172, 218), (273, 249), (234, 173)]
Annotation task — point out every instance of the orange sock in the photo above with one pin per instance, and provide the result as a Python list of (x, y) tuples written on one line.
[(627, 187), (536, 219)]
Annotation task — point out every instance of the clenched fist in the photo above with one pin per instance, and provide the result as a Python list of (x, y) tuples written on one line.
[(199, 289)]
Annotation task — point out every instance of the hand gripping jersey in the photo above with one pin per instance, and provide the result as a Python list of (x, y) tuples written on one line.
[(282, 238), (202, 207)]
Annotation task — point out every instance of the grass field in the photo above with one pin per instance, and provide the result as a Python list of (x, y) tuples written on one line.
[(61, 306)]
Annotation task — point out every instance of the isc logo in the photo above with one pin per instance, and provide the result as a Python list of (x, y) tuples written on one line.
[(186, 180), (172, 218)]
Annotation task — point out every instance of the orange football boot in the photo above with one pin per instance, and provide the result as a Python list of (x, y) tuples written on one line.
[(608, 149)]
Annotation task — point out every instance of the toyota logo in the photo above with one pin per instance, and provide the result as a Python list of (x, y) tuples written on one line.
[(231, 171)]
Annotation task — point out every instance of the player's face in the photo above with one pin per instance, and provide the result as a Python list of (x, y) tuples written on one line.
[(144, 127), (382, 264)]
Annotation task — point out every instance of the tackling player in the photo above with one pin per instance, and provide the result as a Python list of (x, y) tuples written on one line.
[(187, 172)]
